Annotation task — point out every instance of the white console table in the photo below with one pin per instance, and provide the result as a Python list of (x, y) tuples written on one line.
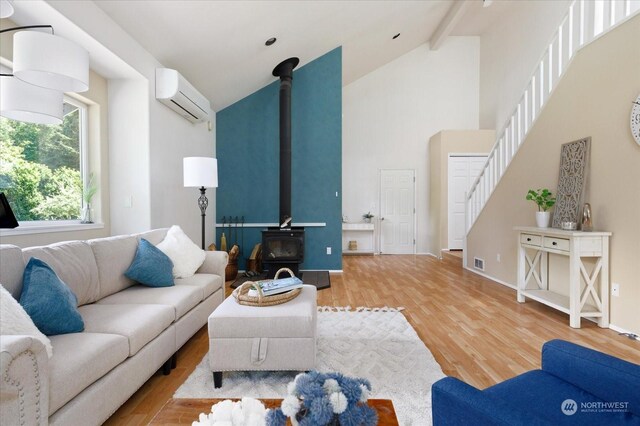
[(357, 231), (576, 245)]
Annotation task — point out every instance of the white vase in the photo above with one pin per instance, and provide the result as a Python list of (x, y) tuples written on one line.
[(543, 219)]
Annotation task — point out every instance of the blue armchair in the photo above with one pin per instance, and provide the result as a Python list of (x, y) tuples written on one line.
[(576, 386)]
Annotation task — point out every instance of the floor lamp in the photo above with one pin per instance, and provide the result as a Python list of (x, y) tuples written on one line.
[(201, 172)]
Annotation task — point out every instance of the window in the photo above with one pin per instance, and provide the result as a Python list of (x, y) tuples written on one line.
[(43, 169)]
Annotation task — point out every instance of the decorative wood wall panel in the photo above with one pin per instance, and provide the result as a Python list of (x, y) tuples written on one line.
[(572, 181)]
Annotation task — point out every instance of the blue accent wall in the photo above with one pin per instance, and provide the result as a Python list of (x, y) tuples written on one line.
[(247, 139)]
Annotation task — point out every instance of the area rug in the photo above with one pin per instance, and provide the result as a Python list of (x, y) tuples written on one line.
[(378, 344)]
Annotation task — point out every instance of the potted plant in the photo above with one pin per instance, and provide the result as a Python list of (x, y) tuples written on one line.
[(545, 200), (367, 217), (88, 192)]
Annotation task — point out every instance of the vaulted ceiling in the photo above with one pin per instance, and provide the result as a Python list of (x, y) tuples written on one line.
[(219, 46)]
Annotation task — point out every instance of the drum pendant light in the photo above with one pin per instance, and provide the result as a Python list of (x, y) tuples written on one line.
[(50, 61), (6, 8), (26, 102)]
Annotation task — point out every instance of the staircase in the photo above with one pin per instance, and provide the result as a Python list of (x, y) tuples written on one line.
[(585, 21)]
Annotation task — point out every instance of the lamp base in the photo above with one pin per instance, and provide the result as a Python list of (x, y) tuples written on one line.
[(203, 203)]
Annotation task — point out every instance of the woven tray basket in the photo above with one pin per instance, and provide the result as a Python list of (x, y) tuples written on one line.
[(241, 294)]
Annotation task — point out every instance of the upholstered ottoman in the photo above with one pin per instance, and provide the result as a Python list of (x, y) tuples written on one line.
[(279, 337)]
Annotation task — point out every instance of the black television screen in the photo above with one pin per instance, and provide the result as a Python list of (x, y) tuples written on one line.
[(7, 218)]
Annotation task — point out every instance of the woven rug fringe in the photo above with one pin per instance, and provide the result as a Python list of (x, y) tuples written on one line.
[(359, 309)]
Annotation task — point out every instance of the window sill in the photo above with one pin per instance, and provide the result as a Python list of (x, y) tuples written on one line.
[(48, 228)]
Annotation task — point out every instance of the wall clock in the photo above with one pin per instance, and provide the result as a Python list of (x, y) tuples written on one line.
[(635, 120)]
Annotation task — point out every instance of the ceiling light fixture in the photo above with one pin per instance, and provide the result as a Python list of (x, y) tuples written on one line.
[(270, 41), (44, 66), (25, 102), (486, 3), (396, 36), (47, 60)]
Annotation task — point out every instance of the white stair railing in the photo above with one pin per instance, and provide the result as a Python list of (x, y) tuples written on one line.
[(585, 21)]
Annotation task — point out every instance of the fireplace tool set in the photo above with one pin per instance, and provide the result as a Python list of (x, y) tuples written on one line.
[(232, 233), (234, 223)]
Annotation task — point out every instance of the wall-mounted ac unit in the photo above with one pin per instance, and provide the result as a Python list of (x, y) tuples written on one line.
[(173, 90)]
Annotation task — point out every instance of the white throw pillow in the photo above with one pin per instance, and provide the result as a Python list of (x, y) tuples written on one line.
[(185, 255), (15, 321)]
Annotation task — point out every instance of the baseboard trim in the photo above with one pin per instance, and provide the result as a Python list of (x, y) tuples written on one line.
[(620, 329), (427, 254), (504, 283), (611, 326)]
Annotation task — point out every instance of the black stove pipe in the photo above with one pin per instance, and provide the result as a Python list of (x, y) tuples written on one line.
[(284, 70)]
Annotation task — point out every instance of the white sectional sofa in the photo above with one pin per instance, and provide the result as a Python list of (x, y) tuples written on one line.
[(130, 332)]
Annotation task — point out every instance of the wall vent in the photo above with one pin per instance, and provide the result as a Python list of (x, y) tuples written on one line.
[(478, 263)]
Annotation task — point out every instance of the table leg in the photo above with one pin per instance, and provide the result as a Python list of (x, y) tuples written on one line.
[(217, 379), (521, 272), (574, 284), (603, 321)]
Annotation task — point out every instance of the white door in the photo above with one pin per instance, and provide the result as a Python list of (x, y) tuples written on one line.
[(463, 171), (397, 212)]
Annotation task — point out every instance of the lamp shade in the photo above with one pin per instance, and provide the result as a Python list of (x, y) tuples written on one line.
[(6, 8), (50, 61), (26, 102), (200, 172)]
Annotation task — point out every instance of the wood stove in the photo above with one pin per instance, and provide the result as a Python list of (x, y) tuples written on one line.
[(283, 247)]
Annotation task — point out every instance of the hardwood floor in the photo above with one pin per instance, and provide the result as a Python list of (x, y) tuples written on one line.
[(474, 327)]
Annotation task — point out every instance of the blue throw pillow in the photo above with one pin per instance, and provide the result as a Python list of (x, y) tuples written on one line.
[(151, 267), (49, 301)]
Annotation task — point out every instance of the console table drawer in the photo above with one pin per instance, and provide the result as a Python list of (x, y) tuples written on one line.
[(556, 243), (530, 239), (591, 246)]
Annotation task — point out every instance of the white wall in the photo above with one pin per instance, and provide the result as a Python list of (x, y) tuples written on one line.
[(390, 114), (509, 52), (148, 140), (129, 155), (167, 192)]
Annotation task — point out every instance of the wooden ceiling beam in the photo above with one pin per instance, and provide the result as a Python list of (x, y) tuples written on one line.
[(448, 23)]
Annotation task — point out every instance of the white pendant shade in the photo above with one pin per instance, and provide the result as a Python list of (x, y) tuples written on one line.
[(50, 61), (26, 102), (6, 8), (200, 172)]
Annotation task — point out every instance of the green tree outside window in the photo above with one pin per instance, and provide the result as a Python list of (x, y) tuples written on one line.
[(40, 168)]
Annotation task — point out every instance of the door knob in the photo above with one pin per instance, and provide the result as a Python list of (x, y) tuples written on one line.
[(382, 218)]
